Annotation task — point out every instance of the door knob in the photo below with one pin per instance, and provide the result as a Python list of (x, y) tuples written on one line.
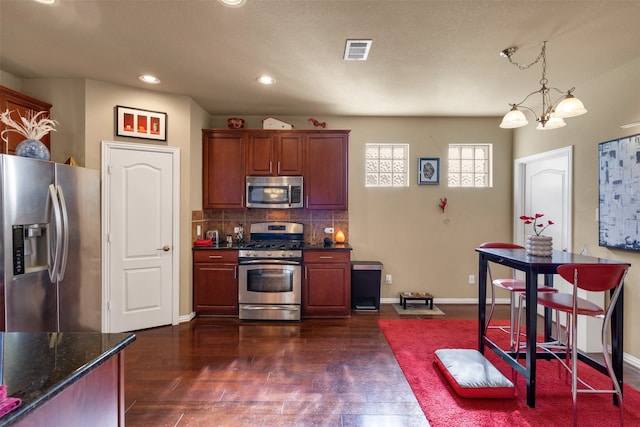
[(165, 248)]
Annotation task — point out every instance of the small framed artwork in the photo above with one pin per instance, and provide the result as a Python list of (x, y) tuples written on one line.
[(428, 170), (138, 123)]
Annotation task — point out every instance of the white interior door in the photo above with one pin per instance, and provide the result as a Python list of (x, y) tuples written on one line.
[(543, 184), (140, 211)]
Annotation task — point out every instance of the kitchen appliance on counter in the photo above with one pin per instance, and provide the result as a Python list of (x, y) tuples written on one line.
[(270, 272), (274, 192), (50, 251)]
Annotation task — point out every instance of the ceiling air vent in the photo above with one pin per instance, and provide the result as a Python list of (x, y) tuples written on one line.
[(357, 50)]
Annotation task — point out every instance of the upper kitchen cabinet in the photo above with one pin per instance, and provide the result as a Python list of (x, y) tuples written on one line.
[(274, 153), (223, 169), (23, 104), (326, 170)]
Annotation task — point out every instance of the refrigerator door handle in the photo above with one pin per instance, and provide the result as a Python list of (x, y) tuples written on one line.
[(54, 252), (65, 234)]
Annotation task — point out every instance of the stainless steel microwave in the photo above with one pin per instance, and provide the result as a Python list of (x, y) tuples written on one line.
[(274, 192)]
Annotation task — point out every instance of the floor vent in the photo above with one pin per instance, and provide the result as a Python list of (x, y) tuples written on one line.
[(357, 50)]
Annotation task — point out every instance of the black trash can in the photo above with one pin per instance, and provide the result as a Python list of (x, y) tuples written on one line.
[(365, 285)]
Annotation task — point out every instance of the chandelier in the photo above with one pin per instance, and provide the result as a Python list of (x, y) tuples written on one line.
[(553, 113)]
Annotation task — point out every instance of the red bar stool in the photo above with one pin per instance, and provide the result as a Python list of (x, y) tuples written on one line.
[(592, 278), (515, 287)]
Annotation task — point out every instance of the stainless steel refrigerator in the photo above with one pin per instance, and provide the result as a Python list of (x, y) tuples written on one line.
[(50, 247)]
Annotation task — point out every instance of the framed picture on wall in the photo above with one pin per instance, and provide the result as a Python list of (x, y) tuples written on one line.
[(136, 123), (618, 176), (428, 170)]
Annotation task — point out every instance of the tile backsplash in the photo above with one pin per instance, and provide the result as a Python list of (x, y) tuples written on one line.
[(314, 221)]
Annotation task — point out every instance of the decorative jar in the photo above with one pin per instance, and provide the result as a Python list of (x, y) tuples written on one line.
[(34, 149)]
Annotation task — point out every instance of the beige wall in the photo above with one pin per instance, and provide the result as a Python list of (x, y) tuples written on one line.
[(612, 101)]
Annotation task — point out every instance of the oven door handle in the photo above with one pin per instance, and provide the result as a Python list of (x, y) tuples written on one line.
[(271, 307), (269, 262)]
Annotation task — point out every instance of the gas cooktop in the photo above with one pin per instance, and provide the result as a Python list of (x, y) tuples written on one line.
[(272, 245)]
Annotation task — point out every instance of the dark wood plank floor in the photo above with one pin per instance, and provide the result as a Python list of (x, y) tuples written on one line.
[(223, 372)]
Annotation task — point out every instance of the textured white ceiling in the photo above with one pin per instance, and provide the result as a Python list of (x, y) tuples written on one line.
[(429, 57)]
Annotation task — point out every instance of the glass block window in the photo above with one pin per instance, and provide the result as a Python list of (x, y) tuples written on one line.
[(387, 165), (470, 165)]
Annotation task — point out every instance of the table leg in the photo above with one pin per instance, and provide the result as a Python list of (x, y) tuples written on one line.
[(617, 348), (548, 281), (482, 300), (531, 296)]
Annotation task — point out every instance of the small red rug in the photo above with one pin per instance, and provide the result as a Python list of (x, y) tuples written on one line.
[(413, 343)]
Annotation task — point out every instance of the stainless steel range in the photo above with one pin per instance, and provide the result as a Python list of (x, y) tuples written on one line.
[(270, 272)]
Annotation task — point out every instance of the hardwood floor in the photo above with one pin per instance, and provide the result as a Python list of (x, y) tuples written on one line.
[(320, 372)]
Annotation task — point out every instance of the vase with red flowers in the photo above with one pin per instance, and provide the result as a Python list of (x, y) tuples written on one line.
[(537, 244)]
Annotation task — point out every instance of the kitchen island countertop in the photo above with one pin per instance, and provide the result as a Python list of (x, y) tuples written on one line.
[(38, 366)]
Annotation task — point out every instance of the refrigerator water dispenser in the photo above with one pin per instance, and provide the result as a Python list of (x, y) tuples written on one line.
[(30, 248)]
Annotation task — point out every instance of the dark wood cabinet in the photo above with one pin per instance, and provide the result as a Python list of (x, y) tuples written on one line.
[(326, 170), (23, 104), (321, 157), (274, 153), (215, 282), (326, 284), (223, 169)]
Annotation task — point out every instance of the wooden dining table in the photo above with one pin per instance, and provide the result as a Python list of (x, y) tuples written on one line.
[(533, 267)]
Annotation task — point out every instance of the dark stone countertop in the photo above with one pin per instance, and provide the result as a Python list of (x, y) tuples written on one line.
[(37, 366)]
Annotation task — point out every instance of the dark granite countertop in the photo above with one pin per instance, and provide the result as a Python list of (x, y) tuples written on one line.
[(37, 366)]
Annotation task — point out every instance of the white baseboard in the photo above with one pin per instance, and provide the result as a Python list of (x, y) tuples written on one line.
[(187, 317), (449, 300)]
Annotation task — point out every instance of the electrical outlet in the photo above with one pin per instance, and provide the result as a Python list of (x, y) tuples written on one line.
[(328, 230), (388, 279), (198, 230), (472, 279)]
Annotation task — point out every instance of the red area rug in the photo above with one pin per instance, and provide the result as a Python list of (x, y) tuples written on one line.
[(413, 343)]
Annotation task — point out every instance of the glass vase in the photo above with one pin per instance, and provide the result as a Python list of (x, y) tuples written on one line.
[(34, 149)]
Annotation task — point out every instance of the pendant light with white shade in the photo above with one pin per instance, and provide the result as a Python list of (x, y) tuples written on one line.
[(553, 113)]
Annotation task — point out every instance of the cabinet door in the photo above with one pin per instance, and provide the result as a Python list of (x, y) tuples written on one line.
[(20, 104), (215, 288), (260, 150), (289, 154), (326, 289), (326, 171), (223, 170)]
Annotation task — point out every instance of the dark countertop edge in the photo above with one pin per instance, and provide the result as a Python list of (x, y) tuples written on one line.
[(306, 247), (332, 247), (216, 248), (25, 409)]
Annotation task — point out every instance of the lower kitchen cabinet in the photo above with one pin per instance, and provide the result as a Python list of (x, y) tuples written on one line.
[(326, 285), (215, 282)]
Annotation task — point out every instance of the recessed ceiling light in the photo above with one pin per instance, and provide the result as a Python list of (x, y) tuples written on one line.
[(46, 1), (266, 80), (233, 3), (148, 78)]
